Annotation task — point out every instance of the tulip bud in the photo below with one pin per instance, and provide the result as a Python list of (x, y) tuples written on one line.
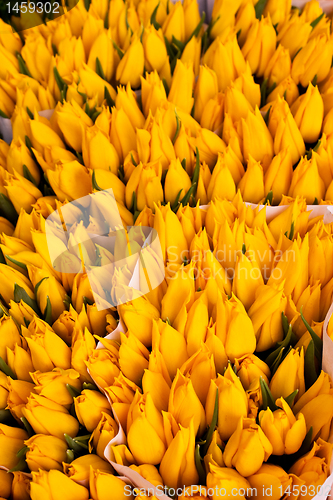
[(250, 368), (270, 478), (174, 24), (70, 181), (153, 93), (279, 11), (80, 469), (209, 145), (103, 50), (131, 65), (178, 466), (103, 366), (53, 385), (223, 16), (45, 452), (89, 407), (251, 185), (247, 448), (121, 395), (289, 376), (145, 182), (221, 479), (155, 52), (18, 156), (294, 33), (284, 431), (314, 60), (279, 66), (308, 111), (102, 483), (105, 431), (307, 182), (45, 483), (176, 178), (143, 309), (260, 45), (11, 441), (182, 86), (278, 175), (98, 152), (206, 88), (123, 144), (287, 89)]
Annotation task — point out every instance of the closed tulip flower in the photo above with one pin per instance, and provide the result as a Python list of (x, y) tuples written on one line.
[(152, 93), (10, 63), (7, 104), (284, 431), (294, 33), (260, 45), (222, 184), (131, 348), (106, 430), (313, 467), (50, 418), (265, 314), (279, 11), (143, 309), (253, 128), (70, 181), (9, 335), (278, 175), (18, 393), (19, 155), (308, 111), (221, 479), (174, 24), (102, 49), (165, 337), (145, 435), (213, 113), (209, 145), (53, 385), (121, 395), (245, 17), (12, 441), (45, 452), (287, 89), (98, 152), (101, 483), (206, 88), (21, 192), (313, 60), (10, 277), (6, 481), (37, 55), (48, 350), (289, 376), (176, 180), (123, 143), (229, 386), (251, 90), (247, 448), (79, 470), (54, 483), (145, 181), (91, 84), (103, 366), (270, 476), (131, 65), (307, 182), (279, 66), (73, 122), (250, 368), (178, 466), (251, 185), (155, 53), (224, 16), (182, 86), (19, 361), (89, 407), (247, 279)]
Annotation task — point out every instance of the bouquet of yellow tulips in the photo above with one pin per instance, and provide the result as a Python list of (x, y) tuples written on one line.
[(210, 126)]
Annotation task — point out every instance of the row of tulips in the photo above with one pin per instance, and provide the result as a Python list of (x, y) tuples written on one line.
[(239, 315)]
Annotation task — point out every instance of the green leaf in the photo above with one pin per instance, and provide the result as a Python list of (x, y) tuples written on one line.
[(290, 399), (22, 452), (269, 197), (213, 423), (183, 162), (22, 66), (27, 174), (133, 161), (99, 69), (314, 81), (317, 20), (31, 115), (48, 311), (195, 176), (27, 426), (267, 398), (310, 371), (69, 456), (318, 343), (277, 361), (191, 192), (118, 49), (153, 21), (6, 369), (176, 203), (39, 283), (178, 44), (315, 202), (285, 323), (21, 466), (263, 91), (106, 20), (7, 209), (243, 249), (21, 294), (28, 143), (87, 4), (133, 208), (89, 387), (16, 262), (109, 101), (73, 391), (197, 30), (166, 86), (76, 445), (59, 81), (94, 182), (2, 258), (121, 173), (259, 8), (178, 127), (3, 115), (88, 301), (198, 465), (267, 115)]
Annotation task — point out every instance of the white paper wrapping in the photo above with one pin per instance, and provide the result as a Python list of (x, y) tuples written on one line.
[(6, 129), (136, 479)]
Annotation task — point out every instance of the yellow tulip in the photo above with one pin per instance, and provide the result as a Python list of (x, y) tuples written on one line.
[(145, 182), (50, 418), (182, 86), (174, 24), (89, 407), (145, 435), (121, 395), (178, 466), (209, 145), (192, 54), (70, 181), (308, 111), (278, 175), (131, 65), (98, 152), (176, 181), (94, 86), (153, 93), (44, 484), (213, 113), (244, 19), (6, 481), (143, 309), (185, 405), (73, 122), (102, 483), (313, 468), (228, 386), (155, 52), (247, 279), (260, 45), (191, 17), (106, 430), (12, 441), (271, 479), (19, 361), (294, 33), (245, 83), (45, 452), (313, 60), (250, 368), (279, 66), (265, 314), (307, 182), (251, 185), (124, 143), (103, 366), (289, 376), (223, 481), (11, 277), (206, 88), (224, 15), (284, 431), (131, 348), (102, 49), (52, 385), (287, 89), (37, 55), (48, 350), (247, 448), (279, 11), (79, 470)]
